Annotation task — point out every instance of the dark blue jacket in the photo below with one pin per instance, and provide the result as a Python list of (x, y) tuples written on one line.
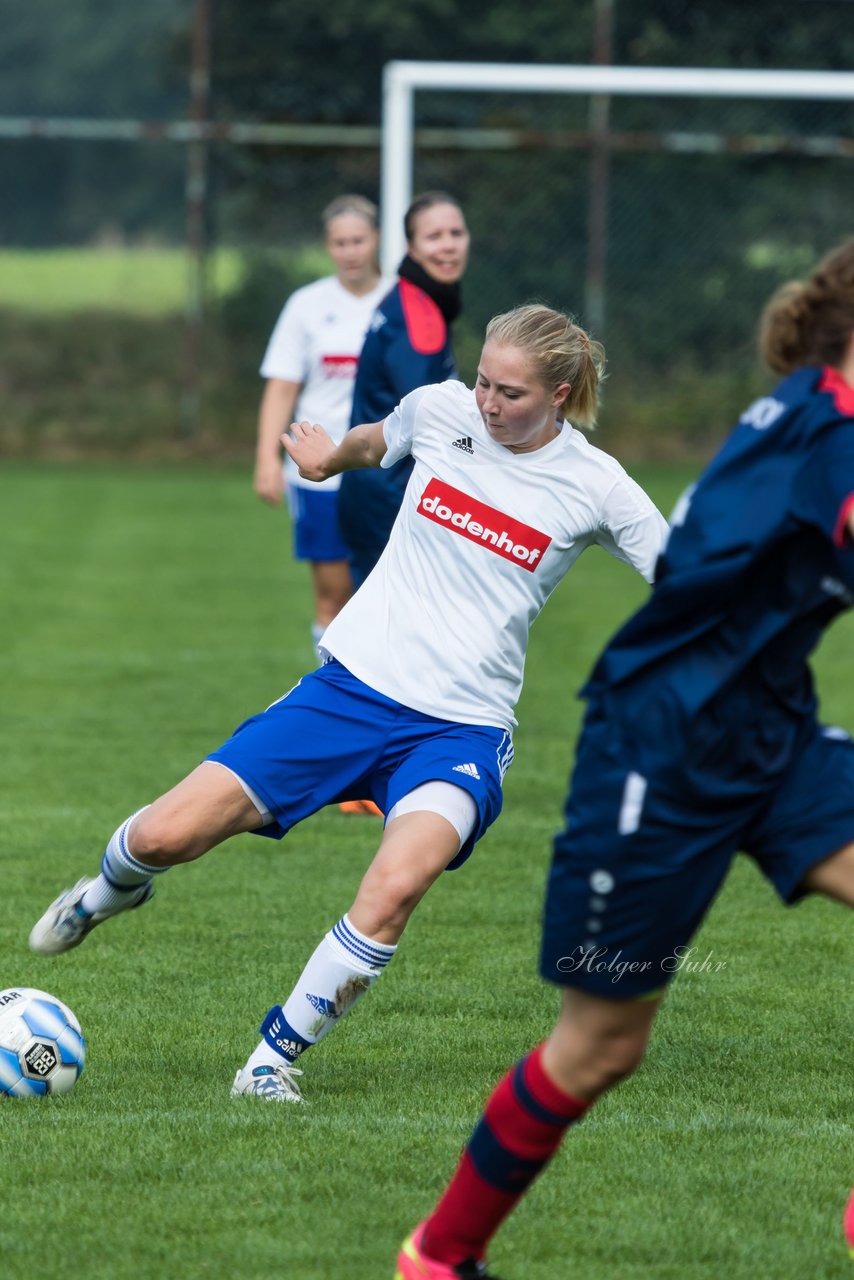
[(407, 346), (757, 565)]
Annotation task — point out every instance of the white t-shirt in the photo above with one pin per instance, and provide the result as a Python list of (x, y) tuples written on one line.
[(317, 341), (482, 539)]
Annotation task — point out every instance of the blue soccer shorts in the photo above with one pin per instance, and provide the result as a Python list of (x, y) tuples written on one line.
[(314, 513), (639, 863), (333, 738)]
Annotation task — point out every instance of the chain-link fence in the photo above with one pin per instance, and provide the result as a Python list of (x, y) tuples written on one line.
[(661, 223), (664, 232)]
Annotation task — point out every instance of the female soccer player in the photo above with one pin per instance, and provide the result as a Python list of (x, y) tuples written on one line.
[(407, 346), (414, 703), (310, 366), (700, 739)]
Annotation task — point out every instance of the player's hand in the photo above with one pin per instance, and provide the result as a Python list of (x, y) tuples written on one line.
[(268, 482), (311, 448)]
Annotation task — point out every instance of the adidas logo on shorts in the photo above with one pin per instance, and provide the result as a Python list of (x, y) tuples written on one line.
[(470, 769), (464, 443)]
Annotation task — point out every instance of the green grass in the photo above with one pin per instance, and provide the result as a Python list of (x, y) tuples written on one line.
[(97, 354), (141, 282), (145, 613), (145, 281)]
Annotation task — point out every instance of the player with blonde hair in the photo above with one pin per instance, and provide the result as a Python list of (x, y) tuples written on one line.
[(310, 369), (414, 703)]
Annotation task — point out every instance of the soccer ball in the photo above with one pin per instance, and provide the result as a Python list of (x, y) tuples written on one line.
[(42, 1049)]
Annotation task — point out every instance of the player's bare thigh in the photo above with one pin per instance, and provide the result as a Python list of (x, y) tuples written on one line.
[(204, 809), (834, 876)]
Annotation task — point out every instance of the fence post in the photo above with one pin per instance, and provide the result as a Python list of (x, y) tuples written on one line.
[(600, 163), (196, 201)]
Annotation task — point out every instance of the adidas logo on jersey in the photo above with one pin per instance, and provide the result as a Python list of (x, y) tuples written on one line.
[(464, 443), (470, 769), (322, 1005)]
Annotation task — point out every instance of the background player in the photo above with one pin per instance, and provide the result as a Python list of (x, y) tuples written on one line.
[(415, 703), (310, 366), (700, 739), (407, 346)]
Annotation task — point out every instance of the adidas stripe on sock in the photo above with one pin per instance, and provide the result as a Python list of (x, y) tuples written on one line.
[(343, 967), (121, 875)]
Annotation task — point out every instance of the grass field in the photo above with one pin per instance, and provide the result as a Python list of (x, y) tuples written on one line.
[(133, 282), (95, 350), (143, 282), (145, 612)]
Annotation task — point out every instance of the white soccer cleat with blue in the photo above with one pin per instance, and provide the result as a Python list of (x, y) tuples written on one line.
[(64, 925), (274, 1084)]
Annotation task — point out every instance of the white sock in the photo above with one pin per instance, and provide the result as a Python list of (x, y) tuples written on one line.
[(317, 630), (122, 875), (343, 967)]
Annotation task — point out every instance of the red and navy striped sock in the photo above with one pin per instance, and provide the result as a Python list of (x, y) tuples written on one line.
[(520, 1130)]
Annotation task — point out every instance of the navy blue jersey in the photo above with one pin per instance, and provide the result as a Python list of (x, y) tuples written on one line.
[(407, 346), (758, 563)]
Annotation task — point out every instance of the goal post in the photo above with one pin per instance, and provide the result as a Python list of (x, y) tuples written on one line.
[(401, 80)]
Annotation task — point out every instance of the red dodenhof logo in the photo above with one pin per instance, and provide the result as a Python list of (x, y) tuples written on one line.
[(339, 366), (478, 522)]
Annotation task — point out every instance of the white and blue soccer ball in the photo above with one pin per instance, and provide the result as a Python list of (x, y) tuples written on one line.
[(42, 1049)]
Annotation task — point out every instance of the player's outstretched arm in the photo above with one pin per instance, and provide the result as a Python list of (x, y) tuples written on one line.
[(318, 458)]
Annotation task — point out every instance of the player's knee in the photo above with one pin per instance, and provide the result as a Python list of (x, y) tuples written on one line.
[(392, 909), (603, 1071), (331, 597), (590, 1064), (160, 840), (619, 1057), (390, 902)]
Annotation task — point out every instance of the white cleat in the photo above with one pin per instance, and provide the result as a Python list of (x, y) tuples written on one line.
[(64, 925), (274, 1084)]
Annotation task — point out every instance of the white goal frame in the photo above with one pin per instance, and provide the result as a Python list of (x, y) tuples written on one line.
[(402, 79)]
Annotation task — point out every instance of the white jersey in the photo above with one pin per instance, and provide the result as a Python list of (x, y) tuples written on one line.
[(317, 341), (482, 539)]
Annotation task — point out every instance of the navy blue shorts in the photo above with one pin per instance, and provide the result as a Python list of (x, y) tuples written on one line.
[(314, 513), (639, 863), (334, 738)]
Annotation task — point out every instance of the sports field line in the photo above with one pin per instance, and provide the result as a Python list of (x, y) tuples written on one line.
[(702, 1122)]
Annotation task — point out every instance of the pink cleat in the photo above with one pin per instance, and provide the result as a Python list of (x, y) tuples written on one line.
[(412, 1264), (847, 1226)]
